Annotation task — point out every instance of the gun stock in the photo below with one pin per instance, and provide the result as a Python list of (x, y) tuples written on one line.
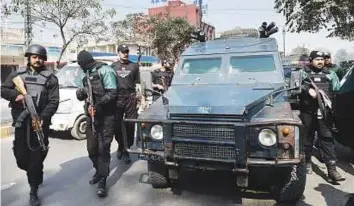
[(20, 85)]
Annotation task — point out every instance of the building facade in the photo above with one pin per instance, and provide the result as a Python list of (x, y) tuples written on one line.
[(188, 11), (13, 51)]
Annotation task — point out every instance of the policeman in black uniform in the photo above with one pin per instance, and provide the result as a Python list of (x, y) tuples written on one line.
[(128, 76), (311, 115), (43, 86), (162, 78), (99, 133)]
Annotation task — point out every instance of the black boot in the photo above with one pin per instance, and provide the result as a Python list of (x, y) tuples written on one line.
[(101, 188), (119, 153), (34, 200), (333, 174), (95, 179), (126, 158)]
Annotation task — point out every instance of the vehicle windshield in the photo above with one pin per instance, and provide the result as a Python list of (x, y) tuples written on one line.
[(254, 63), (70, 77), (201, 66)]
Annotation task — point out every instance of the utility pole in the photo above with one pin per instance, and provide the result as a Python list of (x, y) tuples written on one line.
[(28, 25), (200, 13), (284, 33)]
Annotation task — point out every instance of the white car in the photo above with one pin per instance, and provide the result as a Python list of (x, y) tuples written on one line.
[(70, 114)]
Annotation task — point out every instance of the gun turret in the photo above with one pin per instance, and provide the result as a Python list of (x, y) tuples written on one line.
[(199, 35)]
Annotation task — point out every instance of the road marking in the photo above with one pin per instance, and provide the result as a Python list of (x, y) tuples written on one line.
[(7, 186)]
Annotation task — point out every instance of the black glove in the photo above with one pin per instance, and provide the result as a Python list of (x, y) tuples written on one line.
[(81, 94)]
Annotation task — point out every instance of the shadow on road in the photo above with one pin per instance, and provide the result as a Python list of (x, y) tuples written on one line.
[(64, 135), (336, 195)]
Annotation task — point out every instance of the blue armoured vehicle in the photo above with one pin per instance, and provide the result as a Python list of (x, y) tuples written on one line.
[(227, 109)]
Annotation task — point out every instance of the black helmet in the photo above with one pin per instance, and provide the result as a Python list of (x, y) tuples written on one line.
[(36, 49)]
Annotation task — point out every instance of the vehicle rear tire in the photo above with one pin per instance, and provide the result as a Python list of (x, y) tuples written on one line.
[(158, 175), (291, 189), (79, 129)]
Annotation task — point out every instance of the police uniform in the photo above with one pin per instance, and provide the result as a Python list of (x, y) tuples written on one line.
[(43, 86), (163, 78), (339, 71), (104, 92), (128, 76), (312, 116)]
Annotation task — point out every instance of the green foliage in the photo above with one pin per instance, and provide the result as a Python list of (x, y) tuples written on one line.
[(170, 35), (77, 20), (335, 16)]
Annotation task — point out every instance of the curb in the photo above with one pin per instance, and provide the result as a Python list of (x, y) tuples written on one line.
[(6, 131)]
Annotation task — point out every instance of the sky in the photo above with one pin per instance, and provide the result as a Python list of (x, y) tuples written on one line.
[(224, 15)]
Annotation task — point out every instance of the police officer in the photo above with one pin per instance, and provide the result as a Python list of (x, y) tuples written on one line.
[(162, 78), (43, 86), (328, 63), (128, 76), (312, 116), (101, 119)]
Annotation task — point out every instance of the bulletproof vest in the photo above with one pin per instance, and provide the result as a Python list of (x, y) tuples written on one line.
[(321, 80), (98, 90), (36, 85)]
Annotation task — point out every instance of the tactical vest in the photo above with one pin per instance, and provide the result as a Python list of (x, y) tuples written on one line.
[(36, 85), (98, 90), (321, 80)]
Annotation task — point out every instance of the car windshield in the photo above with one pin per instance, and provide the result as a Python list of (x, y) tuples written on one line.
[(201, 66), (70, 77), (255, 63)]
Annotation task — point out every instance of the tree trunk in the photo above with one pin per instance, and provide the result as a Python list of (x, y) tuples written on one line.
[(63, 48)]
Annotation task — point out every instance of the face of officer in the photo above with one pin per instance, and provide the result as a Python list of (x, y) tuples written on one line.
[(123, 55), (36, 61), (328, 60), (318, 62)]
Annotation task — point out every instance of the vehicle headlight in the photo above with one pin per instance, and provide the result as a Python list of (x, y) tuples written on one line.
[(157, 132), (267, 137)]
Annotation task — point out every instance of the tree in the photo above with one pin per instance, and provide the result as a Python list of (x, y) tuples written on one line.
[(300, 50), (169, 36), (341, 55), (129, 29), (336, 16), (77, 20)]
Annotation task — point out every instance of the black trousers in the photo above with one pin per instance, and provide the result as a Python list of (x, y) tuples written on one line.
[(99, 144), (325, 138), (26, 159), (126, 106)]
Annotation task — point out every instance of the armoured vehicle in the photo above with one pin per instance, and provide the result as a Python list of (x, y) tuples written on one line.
[(227, 109)]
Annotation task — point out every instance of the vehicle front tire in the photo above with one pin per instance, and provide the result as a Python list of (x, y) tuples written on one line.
[(292, 186), (158, 175), (79, 129)]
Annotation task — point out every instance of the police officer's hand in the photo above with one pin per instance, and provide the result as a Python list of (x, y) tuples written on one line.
[(20, 98), (160, 87), (312, 93), (81, 94), (36, 123)]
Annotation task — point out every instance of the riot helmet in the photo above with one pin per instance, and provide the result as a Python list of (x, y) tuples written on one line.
[(36, 49)]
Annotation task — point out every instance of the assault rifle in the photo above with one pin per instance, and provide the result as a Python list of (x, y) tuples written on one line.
[(91, 107), (30, 109)]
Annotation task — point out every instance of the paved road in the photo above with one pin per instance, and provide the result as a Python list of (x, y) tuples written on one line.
[(67, 171)]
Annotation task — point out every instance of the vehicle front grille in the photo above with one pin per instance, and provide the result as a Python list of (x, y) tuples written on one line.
[(193, 150), (209, 132)]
